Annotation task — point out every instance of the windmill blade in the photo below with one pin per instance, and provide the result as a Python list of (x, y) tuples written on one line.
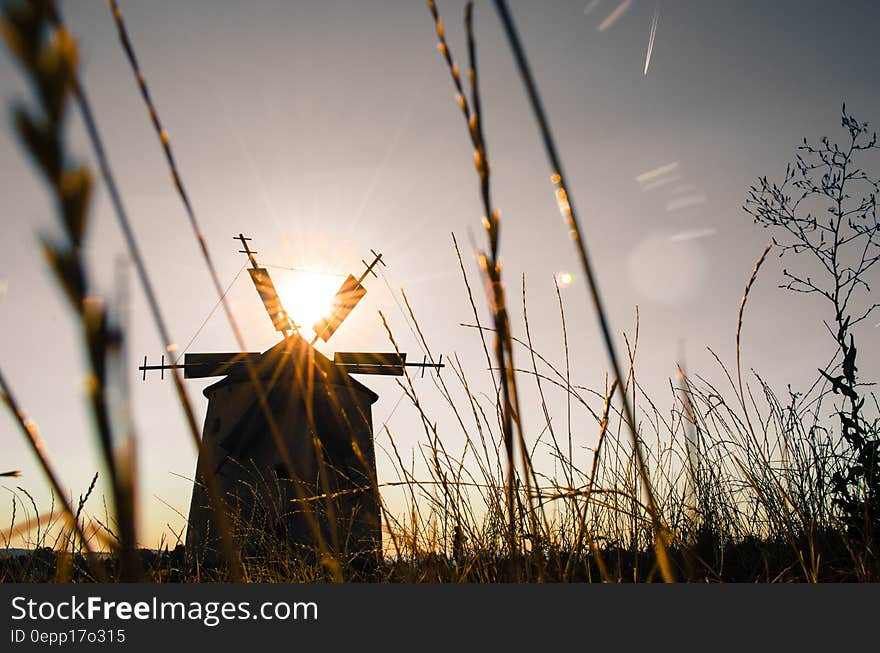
[(390, 364), (271, 300), (387, 363), (197, 366), (347, 297)]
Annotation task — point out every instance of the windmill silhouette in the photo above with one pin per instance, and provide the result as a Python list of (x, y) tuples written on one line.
[(290, 438)]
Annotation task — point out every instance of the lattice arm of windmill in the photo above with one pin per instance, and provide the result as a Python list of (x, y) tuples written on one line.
[(347, 297), (221, 364), (266, 289), (387, 363)]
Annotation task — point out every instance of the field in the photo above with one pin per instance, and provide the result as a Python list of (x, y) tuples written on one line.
[(734, 482)]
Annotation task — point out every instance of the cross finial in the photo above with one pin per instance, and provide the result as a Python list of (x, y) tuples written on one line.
[(247, 250), (370, 266)]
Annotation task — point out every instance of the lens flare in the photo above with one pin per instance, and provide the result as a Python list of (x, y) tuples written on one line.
[(615, 15), (565, 279)]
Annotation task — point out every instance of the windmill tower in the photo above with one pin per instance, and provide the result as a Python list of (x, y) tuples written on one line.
[(290, 438)]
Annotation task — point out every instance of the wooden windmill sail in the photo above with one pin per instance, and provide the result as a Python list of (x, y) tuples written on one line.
[(290, 435)]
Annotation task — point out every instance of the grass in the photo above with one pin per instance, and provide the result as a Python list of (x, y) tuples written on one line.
[(707, 484)]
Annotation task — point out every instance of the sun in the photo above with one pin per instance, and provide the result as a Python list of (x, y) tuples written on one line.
[(308, 296)]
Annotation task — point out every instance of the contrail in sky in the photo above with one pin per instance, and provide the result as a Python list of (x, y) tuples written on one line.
[(615, 15), (651, 37)]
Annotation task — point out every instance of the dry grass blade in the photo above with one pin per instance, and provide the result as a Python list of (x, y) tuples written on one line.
[(49, 56), (582, 522), (32, 437), (21, 41), (259, 388), (566, 207), (488, 261), (739, 324)]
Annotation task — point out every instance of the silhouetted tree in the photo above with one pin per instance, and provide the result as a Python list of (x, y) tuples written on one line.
[(825, 209)]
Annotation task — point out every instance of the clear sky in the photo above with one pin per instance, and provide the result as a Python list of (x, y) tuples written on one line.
[(323, 129)]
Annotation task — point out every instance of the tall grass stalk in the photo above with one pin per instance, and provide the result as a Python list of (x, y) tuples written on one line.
[(490, 263), (18, 35), (49, 57), (565, 202), (256, 382), (707, 487), (37, 447)]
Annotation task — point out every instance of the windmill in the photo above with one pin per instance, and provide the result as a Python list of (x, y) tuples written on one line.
[(290, 437)]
